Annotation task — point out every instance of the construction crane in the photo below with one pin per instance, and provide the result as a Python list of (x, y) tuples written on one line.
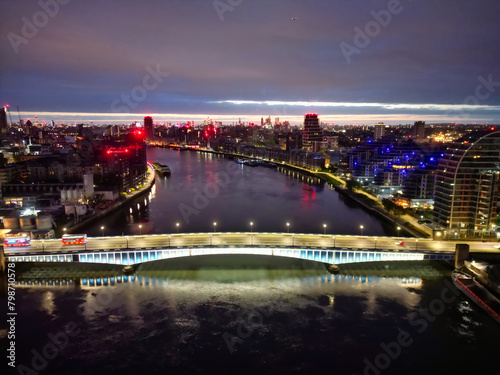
[(19, 113), (8, 110)]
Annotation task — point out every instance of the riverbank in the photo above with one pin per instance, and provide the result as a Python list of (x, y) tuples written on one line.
[(372, 204), (128, 197), (321, 176)]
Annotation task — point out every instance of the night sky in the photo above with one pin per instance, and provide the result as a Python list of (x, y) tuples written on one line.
[(192, 59)]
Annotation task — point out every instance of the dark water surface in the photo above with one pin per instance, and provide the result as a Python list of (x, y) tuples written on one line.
[(227, 315)]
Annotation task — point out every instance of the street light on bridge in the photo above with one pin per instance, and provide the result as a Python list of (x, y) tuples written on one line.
[(288, 227), (324, 229), (127, 241), (361, 228), (177, 225), (140, 229), (215, 226), (334, 241), (416, 244), (102, 231), (251, 232), (375, 243), (43, 245), (399, 228)]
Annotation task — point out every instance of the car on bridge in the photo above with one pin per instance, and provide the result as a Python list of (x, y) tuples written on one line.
[(401, 243)]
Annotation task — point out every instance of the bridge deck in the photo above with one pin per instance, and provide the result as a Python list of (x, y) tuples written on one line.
[(317, 247)]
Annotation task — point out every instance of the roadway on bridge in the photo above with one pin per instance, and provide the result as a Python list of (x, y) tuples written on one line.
[(251, 239)]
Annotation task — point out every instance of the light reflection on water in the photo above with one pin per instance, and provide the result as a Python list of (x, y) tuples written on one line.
[(248, 320)]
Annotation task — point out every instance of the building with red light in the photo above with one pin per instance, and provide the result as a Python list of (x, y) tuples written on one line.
[(4, 125), (137, 156), (312, 132), (148, 127), (124, 161)]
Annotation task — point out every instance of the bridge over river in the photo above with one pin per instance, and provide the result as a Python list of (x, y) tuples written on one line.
[(333, 249)]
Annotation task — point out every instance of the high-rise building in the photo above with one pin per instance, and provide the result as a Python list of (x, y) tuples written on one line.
[(148, 126), (419, 129), (115, 131), (4, 125), (379, 131), (312, 132), (419, 184), (467, 185), (88, 184)]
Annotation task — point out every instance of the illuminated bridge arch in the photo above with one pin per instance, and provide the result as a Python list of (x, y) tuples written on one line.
[(331, 256)]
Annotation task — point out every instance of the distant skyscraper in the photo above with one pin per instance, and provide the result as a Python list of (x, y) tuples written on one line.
[(4, 125), (467, 184), (115, 130), (379, 131), (268, 122), (419, 130), (312, 131), (148, 126)]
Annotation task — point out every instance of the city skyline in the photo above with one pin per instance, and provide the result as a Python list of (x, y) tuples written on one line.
[(296, 120), (353, 63)]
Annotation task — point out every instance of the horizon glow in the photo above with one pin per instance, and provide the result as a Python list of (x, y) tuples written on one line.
[(440, 107), (353, 119)]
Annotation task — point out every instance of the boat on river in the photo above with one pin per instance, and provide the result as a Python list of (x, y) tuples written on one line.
[(161, 169), (128, 270), (478, 293), (255, 162)]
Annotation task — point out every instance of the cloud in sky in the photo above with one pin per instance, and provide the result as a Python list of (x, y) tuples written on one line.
[(90, 53)]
